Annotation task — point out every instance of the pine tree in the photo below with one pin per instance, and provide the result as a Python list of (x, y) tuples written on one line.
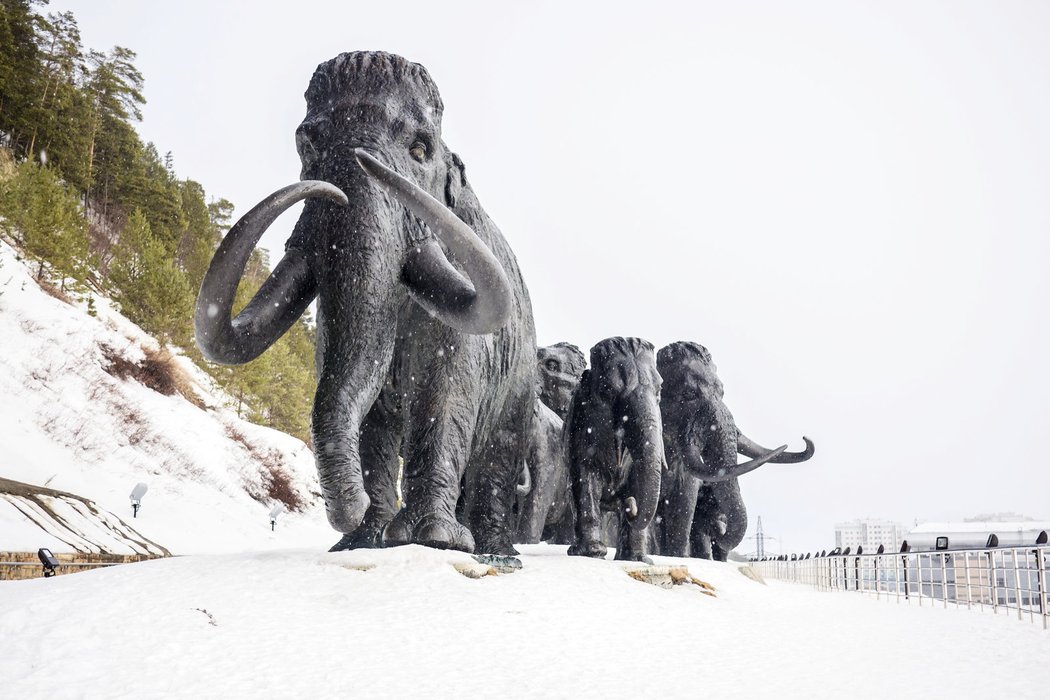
[(152, 290), (47, 220)]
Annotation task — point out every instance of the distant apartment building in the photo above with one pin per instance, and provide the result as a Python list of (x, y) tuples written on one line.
[(869, 533)]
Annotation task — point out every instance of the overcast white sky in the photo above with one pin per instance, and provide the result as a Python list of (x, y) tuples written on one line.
[(847, 203)]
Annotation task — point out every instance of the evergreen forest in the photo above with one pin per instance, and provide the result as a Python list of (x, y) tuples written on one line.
[(97, 209)]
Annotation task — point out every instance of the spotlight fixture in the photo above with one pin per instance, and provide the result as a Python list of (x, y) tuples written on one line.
[(48, 560), (277, 509), (136, 498)]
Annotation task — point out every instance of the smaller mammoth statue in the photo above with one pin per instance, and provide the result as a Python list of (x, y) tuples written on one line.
[(700, 502), (546, 510), (615, 446)]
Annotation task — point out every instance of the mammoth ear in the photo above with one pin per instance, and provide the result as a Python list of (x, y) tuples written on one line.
[(455, 180)]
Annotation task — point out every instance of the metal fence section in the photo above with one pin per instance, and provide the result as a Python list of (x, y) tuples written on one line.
[(1010, 580)]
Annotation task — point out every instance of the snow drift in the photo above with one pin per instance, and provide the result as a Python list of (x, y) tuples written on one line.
[(68, 421)]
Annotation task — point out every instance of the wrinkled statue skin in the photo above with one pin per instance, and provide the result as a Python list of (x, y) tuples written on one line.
[(700, 495), (615, 446), (546, 511), (419, 298)]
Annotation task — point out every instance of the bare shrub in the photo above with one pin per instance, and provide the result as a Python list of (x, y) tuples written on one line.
[(158, 371), (54, 291), (276, 480), (280, 488)]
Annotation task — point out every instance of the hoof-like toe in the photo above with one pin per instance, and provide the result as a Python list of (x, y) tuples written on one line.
[(364, 537), (596, 550), (443, 534)]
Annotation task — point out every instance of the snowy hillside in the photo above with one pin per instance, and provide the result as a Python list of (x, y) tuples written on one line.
[(68, 421), (402, 623)]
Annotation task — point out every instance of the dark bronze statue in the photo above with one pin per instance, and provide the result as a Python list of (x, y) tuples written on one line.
[(700, 497), (420, 299), (615, 446), (546, 510)]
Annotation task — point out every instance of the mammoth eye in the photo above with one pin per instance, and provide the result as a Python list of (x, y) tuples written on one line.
[(418, 151), (552, 365)]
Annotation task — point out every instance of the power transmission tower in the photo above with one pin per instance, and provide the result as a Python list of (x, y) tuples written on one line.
[(760, 538)]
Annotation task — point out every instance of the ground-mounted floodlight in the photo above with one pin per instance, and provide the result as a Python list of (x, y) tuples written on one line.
[(941, 543), (846, 551), (277, 509), (904, 546), (48, 560), (993, 541), (881, 549), (136, 498), (1041, 539)]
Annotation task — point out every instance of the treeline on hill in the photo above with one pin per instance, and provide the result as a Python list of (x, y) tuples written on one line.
[(94, 205)]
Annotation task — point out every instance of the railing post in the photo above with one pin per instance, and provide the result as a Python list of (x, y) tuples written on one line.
[(904, 563), (1017, 585), (944, 579), (995, 583), (1040, 562)]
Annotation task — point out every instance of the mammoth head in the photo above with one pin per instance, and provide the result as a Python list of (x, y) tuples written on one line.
[(689, 372), (385, 105), (560, 367), (700, 425), (389, 215)]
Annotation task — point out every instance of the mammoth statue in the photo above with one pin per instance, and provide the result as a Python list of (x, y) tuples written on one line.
[(419, 297), (700, 501), (546, 510), (615, 447)]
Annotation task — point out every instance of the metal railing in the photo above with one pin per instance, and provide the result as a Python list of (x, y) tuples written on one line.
[(1011, 580)]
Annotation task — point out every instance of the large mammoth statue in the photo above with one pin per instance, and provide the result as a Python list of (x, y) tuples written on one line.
[(700, 496), (615, 446), (546, 510), (419, 295)]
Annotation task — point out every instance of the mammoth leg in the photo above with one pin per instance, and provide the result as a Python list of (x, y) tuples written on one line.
[(701, 546), (550, 482), (678, 506), (592, 453), (497, 467), (705, 525), (381, 435), (440, 420), (720, 520)]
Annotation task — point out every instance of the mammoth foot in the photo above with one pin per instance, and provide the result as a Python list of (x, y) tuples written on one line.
[(495, 544), (432, 530), (589, 548), (364, 537), (624, 554)]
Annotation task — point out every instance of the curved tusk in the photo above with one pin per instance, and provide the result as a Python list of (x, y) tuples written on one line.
[(278, 303), (525, 485), (749, 448), (741, 469), (630, 507), (432, 277)]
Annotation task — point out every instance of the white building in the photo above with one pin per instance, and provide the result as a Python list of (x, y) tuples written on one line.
[(869, 533)]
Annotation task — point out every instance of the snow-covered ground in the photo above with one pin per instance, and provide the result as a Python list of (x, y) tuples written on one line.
[(295, 624), (389, 623), (67, 424)]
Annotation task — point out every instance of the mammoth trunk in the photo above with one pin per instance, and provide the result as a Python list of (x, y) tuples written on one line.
[(356, 331), (643, 438)]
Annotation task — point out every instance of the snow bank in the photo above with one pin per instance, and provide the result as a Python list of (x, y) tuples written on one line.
[(298, 624), (66, 423)]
